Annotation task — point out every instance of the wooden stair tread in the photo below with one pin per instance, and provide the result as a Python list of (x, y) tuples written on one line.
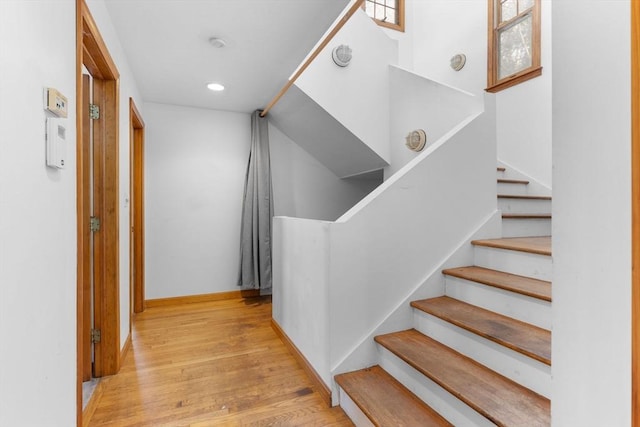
[(523, 196), (525, 216), (522, 337), (385, 401), (540, 289), (512, 181), (534, 245), (496, 397), (501, 169)]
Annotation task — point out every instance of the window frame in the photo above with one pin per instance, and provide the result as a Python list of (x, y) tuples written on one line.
[(399, 13), (495, 84)]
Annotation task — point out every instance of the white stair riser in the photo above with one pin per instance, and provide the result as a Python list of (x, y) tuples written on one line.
[(514, 262), (534, 206), (520, 227), (512, 188), (353, 411), (521, 307), (451, 408), (516, 366)]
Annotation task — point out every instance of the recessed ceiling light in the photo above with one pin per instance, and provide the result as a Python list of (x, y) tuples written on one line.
[(217, 42), (216, 87)]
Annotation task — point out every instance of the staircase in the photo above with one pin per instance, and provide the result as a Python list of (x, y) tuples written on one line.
[(481, 354)]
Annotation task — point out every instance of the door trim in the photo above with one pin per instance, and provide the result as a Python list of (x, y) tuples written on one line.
[(92, 52), (635, 213), (84, 204), (136, 212)]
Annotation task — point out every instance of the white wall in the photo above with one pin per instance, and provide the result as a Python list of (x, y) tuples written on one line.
[(442, 28), (420, 103), (356, 95), (304, 188), (196, 161), (128, 89), (591, 214), (404, 39), (524, 116), (37, 219)]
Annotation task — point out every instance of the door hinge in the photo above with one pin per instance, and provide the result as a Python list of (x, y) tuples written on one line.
[(95, 336), (94, 223), (94, 112)]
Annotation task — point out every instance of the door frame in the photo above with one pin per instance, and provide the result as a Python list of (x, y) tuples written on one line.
[(84, 200), (635, 213), (91, 51), (136, 211)]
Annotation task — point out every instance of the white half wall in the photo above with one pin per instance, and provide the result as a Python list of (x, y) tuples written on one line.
[(37, 218), (301, 254), (195, 166), (591, 214), (389, 244)]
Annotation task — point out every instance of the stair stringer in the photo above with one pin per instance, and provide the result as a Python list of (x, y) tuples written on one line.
[(534, 186), (365, 353)]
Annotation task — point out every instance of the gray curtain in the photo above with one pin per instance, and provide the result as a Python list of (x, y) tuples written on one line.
[(257, 212)]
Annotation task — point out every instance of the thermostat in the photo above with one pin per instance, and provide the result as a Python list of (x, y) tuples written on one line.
[(56, 143), (56, 102)]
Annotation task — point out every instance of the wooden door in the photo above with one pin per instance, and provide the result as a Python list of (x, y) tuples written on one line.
[(136, 254)]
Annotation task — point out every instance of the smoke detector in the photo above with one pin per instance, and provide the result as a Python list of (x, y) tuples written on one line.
[(416, 140), (341, 55)]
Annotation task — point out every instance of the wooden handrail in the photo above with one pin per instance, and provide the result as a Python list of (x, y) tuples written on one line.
[(315, 53)]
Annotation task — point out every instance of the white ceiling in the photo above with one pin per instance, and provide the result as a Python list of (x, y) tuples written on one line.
[(167, 46)]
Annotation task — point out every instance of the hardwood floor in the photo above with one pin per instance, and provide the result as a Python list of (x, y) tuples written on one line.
[(211, 364)]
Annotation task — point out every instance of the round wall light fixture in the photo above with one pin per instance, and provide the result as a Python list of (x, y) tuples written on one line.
[(416, 140), (458, 61), (341, 55)]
